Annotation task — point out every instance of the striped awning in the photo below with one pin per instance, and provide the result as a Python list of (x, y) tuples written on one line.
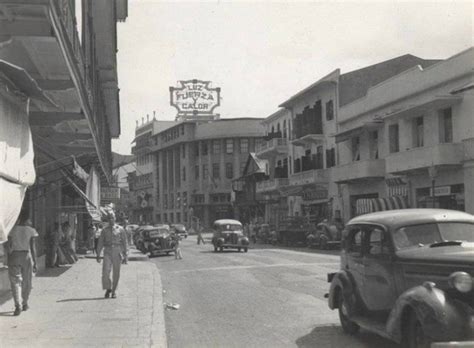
[(396, 187), (370, 205)]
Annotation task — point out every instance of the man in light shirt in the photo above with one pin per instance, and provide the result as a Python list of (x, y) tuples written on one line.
[(113, 240), (21, 260)]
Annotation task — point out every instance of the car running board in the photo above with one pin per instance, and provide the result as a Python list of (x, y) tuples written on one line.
[(371, 325)]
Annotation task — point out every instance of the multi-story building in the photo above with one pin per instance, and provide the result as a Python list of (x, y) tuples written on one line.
[(194, 164), (275, 149), (68, 49), (308, 156), (140, 181), (409, 141)]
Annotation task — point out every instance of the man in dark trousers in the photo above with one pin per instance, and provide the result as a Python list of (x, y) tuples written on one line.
[(21, 260), (113, 240)]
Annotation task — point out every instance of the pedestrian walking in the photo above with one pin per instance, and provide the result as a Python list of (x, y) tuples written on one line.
[(199, 235), (113, 240), (21, 260), (70, 241), (177, 247)]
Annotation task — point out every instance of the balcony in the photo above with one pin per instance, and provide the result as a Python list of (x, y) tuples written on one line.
[(271, 185), (142, 148), (359, 170), (444, 155), (468, 149), (272, 147), (315, 176)]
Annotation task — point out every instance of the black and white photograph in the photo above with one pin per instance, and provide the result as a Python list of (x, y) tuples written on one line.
[(242, 174)]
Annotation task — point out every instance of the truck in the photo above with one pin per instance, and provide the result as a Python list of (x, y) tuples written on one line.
[(293, 230)]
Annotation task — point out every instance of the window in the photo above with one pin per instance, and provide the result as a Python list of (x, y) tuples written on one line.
[(183, 149), (418, 132), (244, 145), (229, 146), (330, 158), (229, 170), (355, 149), (205, 148), (184, 173), (214, 198), (171, 201), (182, 129), (196, 172), (329, 110), (446, 126), (355, 241), (378, 243), (374, 144), (178, 217), (178, 200), (165, 203), (393, 138), (205, 171), (284, 129), (216, 171), (216, 147), (196, 150), (242, 167)]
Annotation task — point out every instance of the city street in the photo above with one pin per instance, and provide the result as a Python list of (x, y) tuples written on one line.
[(268, 297)]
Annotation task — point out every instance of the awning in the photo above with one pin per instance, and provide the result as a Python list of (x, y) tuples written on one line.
[(10, 205), (370, 205), (21, 80), (397, 187), (348, 134)]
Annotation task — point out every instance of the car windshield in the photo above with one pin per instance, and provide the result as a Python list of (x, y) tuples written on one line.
[(158, 233), (426, 234), (229, 227)]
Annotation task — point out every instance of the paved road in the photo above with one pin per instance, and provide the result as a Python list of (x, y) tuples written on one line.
[(267, 297)]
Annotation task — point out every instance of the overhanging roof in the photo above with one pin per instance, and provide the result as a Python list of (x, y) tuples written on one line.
[(435, 102), (346, 135)]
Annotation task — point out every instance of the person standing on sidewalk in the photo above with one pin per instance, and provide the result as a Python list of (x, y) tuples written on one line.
[(177, 248), (70, 240), (21, 260), (113, 240), (199, 234)]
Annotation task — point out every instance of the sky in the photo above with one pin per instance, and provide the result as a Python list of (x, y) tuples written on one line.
[(261, 53)]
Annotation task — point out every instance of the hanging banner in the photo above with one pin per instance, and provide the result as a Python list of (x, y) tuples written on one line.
[(93, 194)]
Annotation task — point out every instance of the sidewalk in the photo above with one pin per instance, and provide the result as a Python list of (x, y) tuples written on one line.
[(68, 308)]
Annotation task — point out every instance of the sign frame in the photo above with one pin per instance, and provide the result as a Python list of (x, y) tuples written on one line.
[(200, 87)]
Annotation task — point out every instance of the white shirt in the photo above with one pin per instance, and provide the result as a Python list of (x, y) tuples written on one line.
[(20, 237)]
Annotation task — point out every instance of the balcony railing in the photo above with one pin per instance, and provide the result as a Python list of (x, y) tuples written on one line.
[(359, 170), (450, 154), (315, 176), (275, 145), (271, 185)]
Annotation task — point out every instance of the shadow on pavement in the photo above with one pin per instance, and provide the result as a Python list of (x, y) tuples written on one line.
[(82, 299), (330, 336), (53, 272), (6, 314)]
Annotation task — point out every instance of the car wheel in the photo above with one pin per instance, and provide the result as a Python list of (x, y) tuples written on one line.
[(415, 335), (348, 326), (246, 249)]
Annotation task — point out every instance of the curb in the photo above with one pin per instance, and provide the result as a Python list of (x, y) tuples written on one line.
[(158, 328)]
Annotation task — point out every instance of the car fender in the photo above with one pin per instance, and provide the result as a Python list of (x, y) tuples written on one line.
[(439, 315), (342, 281)]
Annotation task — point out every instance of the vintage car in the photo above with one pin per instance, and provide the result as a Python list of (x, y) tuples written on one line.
[(407, 275), (228, 234), (155, 240), (180, 230)]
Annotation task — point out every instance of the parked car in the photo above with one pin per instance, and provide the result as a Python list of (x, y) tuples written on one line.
[(180, 230), (228, 234), (407, 275), (154, 240)]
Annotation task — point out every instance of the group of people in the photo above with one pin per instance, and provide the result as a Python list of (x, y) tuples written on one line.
[(22, 263)]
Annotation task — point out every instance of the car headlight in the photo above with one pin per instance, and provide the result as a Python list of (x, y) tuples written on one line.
[(461, 281)]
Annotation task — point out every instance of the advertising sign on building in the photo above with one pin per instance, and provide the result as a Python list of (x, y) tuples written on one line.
[(109, 194), (195, 97)]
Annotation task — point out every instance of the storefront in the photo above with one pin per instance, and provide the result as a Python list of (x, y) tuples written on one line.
[(444, 197)]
